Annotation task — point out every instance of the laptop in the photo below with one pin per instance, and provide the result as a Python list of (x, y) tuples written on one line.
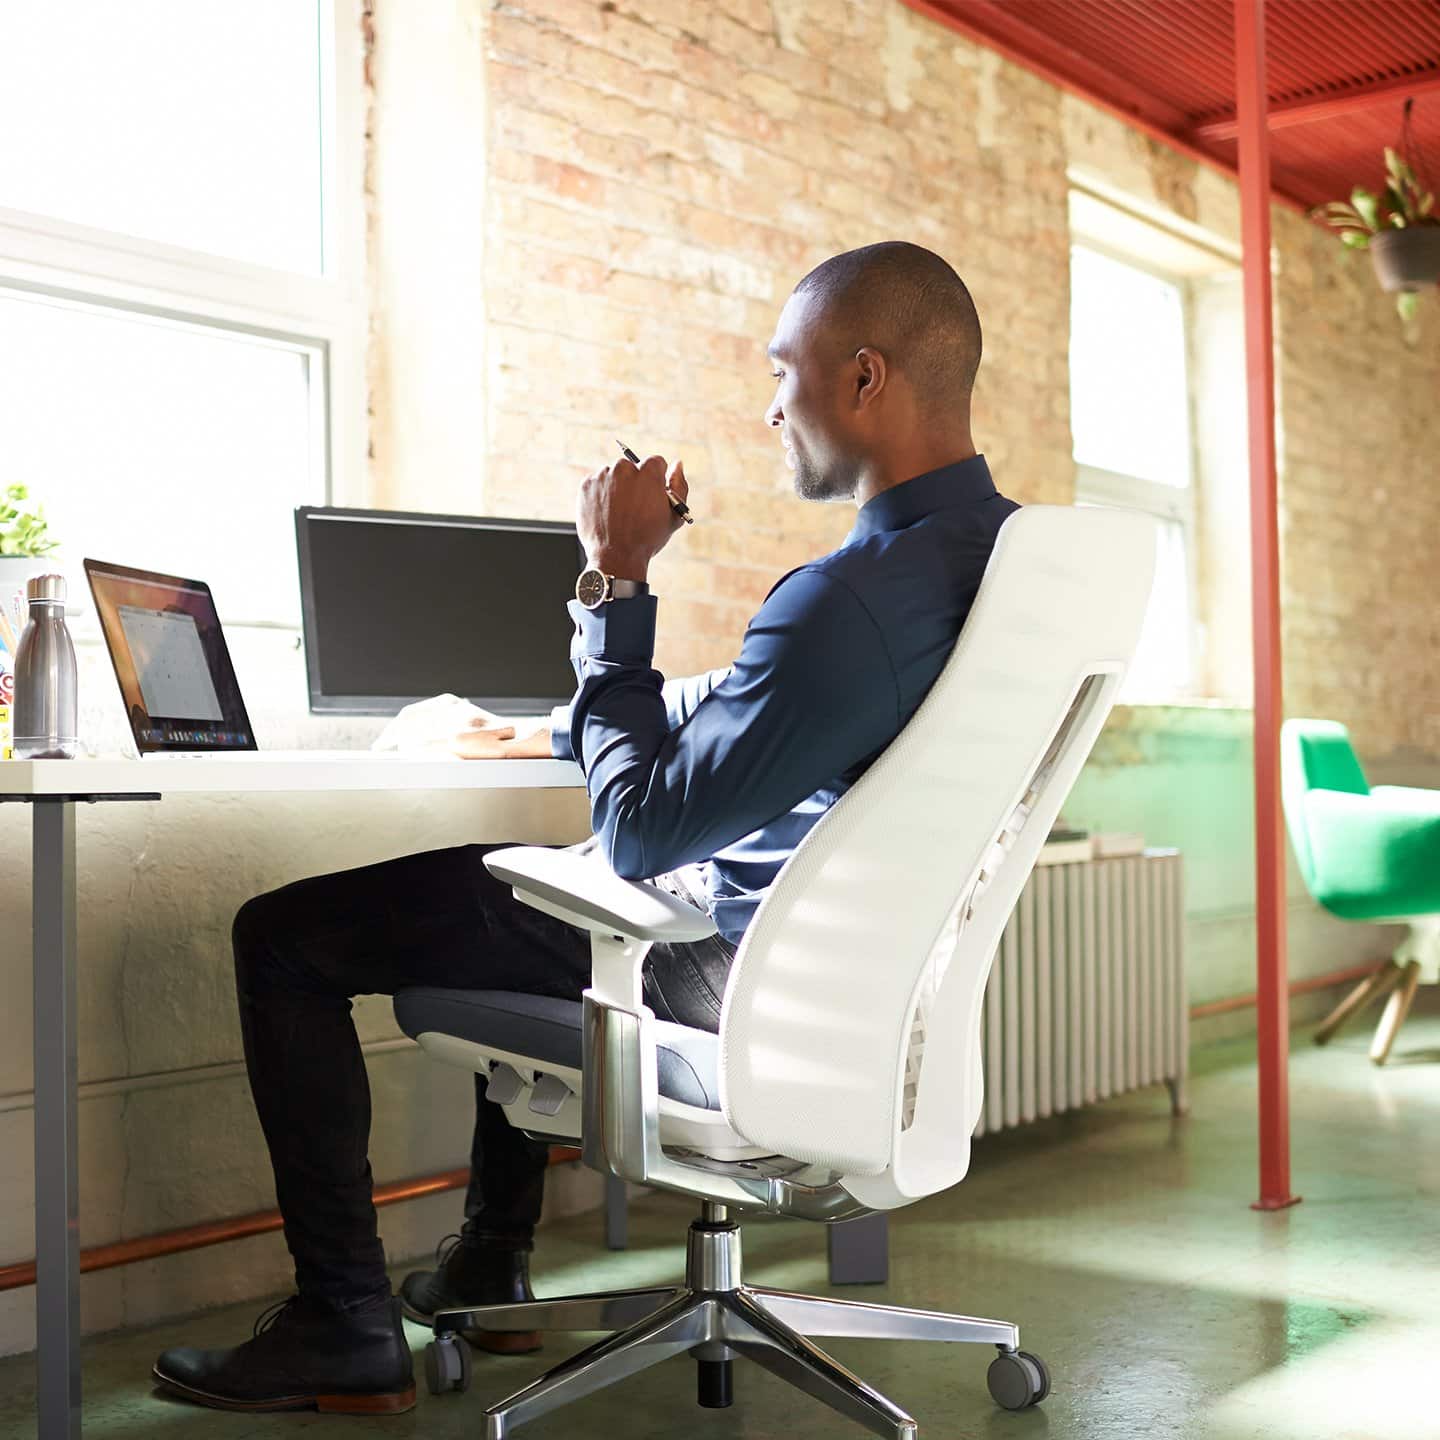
[(171, 661), (176, 678)]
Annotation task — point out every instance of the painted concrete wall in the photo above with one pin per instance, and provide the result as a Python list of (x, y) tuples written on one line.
[(168, 1135), (1182, 777)]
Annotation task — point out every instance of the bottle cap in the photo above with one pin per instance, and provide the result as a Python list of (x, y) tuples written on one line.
[(45, 587)]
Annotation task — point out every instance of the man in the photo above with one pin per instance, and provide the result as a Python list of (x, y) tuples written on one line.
[(706, 785)]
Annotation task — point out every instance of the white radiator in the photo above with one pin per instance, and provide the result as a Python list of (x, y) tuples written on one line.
[(1086, 997)]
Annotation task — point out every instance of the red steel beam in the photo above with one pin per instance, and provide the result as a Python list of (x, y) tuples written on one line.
[(1272, 993), (1307, 112)]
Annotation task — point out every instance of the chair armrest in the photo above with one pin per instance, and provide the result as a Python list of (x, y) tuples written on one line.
[(583, 890), (1406, 800), (1376, 856)]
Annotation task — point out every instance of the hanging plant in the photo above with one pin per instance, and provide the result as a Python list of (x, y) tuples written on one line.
[(1398, 227)]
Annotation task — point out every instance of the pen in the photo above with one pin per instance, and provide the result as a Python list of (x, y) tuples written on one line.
[(676, 504)]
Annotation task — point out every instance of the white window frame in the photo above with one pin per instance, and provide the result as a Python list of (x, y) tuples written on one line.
[(1097, 485), (324, 314)]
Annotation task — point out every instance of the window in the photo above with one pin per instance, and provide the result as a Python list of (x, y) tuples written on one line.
[(140, 432), (1130, 416), (197, 125), (1157, 396), (181, 291)]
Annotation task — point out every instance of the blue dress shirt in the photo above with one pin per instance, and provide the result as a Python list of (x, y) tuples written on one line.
[(732, 768)]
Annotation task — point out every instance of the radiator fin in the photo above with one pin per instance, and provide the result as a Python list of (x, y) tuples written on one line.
[(1087, 995)]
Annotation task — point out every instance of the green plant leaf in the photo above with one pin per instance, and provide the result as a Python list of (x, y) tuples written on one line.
[(1355, 239), (1366, 206), (23, 532), (1340, 216), (1397, 167)]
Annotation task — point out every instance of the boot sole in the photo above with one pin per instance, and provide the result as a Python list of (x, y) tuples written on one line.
[(394, 1403), (493, 1342)]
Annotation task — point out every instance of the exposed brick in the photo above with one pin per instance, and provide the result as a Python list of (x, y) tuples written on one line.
[(661, 172)]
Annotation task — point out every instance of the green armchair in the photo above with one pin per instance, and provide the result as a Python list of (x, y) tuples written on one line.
[(1367, 855)]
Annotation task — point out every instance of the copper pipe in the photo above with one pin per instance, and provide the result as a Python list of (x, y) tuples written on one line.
[(240, 1227), (1297, 987)]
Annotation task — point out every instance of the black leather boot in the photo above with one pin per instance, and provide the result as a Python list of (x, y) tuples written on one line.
[(472, 1275), (304, 1355)]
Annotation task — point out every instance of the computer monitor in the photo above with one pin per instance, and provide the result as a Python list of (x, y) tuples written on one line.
[(398, 607)]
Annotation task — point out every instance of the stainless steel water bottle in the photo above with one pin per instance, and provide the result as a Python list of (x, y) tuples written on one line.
[(46, 710)]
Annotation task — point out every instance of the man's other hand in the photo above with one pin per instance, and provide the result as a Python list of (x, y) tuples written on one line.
[(482, 740), (624, 516)]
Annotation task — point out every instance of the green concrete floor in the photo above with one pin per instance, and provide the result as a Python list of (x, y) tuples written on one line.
[(1119, 1240)]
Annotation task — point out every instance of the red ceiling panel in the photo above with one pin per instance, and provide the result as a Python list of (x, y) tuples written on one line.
[(1338, 74)]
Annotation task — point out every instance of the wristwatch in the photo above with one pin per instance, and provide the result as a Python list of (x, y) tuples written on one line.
[(595, 587)]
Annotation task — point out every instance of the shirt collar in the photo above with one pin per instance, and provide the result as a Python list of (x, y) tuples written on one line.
[(964, 483)]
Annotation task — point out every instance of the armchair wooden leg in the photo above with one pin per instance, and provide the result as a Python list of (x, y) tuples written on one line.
[(1372, 988), (1395, 1012)]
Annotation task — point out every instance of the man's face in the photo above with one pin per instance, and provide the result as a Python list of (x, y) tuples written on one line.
[(808, 409)]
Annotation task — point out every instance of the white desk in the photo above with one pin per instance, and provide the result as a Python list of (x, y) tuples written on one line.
[(53, 788)]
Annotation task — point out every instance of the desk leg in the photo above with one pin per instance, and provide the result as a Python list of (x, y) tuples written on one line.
[(57, 1199)]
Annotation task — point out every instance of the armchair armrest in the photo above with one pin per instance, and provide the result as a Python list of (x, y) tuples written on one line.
[(1376, 856), (583, 890)]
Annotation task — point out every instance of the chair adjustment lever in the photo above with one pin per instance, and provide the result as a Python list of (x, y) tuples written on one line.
[(504, 1085), (549, 1094)]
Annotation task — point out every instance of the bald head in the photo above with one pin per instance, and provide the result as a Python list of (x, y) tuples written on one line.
[(907, 303)]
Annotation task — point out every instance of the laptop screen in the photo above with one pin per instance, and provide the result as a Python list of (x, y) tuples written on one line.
[(165, 641)]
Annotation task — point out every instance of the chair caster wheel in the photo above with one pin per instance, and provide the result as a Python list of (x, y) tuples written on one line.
[(447, 1364), (1017, 1379)]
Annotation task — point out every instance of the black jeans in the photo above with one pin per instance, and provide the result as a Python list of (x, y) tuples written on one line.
[(437, 918)]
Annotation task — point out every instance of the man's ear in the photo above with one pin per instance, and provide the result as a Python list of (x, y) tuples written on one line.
[(871, 375)]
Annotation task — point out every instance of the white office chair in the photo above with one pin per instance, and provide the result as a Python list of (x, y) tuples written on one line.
[(846, 1076)]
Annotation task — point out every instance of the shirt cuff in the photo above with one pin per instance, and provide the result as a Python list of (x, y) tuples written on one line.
[(560, 747), (621, 631)]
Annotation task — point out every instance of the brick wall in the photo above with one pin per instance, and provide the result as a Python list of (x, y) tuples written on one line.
[(662, 172), (658, 173), (1360, 499)]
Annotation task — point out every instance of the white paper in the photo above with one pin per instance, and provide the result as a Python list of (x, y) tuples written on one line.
[(429, 724)]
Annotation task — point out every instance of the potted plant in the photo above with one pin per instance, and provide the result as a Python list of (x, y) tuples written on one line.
[(24, 540), (1398, 227)]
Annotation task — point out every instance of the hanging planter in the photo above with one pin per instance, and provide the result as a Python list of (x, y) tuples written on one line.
[(1407, 259), (1398, 227)]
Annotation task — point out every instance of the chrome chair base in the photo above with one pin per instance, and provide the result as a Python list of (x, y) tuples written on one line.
[(717, 1318)]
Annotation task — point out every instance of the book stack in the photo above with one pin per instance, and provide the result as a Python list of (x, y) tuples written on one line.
[(1065, 846), (1068, 846)]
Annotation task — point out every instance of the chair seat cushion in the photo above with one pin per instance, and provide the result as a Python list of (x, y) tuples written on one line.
[(548, 1031)]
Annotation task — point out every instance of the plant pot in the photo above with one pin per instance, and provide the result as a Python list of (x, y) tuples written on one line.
[(1407, 259)]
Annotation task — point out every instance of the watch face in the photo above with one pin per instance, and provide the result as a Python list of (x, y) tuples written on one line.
[(590, 588)]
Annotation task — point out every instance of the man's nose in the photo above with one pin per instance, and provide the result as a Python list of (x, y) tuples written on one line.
[(774, 416)]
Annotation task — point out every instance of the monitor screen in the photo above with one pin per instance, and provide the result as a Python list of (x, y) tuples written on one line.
[(399, 607), (170, 660)]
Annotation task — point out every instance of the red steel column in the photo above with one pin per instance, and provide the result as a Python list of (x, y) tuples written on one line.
[(1271, 987)]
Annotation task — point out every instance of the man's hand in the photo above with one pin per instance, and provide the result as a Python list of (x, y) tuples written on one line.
[(624, 515), (485, 741)]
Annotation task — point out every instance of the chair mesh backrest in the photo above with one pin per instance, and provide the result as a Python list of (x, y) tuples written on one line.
[(901, 892)]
